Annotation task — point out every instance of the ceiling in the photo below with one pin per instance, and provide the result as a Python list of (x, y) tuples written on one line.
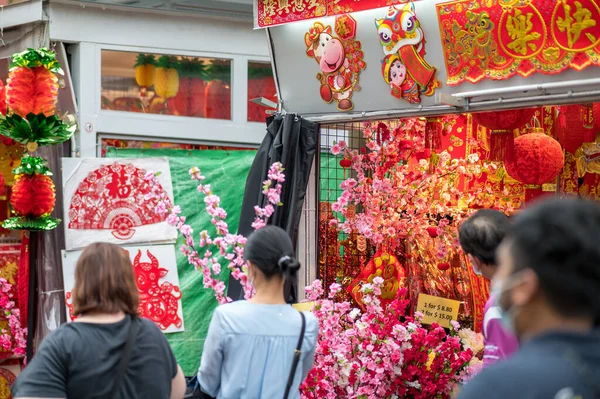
[(238, 8)]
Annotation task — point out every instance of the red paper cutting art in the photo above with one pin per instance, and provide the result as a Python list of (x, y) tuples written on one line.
[(502, 38), (156, 277), (404, 67), (159, 302), (340, 59), (112, 197)]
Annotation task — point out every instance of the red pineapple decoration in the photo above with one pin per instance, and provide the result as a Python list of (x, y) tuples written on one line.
[(218, 92), (260, 84), (33, 195), (159, 302), (190, 100), (113, 197), (32, 91)]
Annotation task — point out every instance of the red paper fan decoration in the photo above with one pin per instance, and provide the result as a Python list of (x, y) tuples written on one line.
[(113, 197), (502, 125), (576, 126)]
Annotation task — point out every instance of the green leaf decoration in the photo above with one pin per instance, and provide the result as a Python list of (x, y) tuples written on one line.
[(33, 58), (40, 129), (192, 68), (259, 72), (145, 59), (43, 223), (168, 61), (219, 70), (32, 165)]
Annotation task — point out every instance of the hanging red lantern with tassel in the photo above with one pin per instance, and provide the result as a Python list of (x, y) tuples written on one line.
[(502, 125), (576, 125), (434, 129), (537, 159), (596, 113)]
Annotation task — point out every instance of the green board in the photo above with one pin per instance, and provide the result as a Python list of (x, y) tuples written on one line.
[(226, 172)]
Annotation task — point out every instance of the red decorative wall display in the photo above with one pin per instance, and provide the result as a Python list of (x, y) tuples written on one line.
[(499, 39), (277, 12)]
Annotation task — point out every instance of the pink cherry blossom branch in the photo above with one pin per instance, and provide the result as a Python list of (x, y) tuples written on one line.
[(16, 341), (223, 244)]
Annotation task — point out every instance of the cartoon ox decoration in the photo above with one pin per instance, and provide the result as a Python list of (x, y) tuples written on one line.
[(340, 59), (404, 67)]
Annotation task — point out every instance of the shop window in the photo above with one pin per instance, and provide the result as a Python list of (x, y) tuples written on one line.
[(166, 85), (261, 83)]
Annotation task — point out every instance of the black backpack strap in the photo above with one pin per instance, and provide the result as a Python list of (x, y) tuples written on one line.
[(297, 355), (122, 368)]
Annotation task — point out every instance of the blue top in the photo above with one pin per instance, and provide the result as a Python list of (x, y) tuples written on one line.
[(249, 350)]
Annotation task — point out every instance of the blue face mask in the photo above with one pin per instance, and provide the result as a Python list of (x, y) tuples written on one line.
[(477, 272), (507, 316)]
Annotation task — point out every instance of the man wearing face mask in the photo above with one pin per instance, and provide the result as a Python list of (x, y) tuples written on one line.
[(479, 237), (548, 290)]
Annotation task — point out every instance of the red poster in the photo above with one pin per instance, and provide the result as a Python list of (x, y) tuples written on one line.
[(277, 12), (495, 41)]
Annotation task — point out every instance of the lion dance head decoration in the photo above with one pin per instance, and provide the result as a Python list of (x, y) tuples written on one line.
[(403, 43)]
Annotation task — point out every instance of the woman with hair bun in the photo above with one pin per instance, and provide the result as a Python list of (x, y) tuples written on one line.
[(250, 348)]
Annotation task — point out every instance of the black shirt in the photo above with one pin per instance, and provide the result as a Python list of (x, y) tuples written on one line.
[(559, 365), (79, 360)]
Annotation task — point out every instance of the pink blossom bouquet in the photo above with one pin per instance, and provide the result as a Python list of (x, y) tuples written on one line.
[(13, 340), (381, 353)]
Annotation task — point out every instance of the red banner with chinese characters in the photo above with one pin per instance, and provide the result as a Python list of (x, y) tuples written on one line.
[(501, 38), (277, 12)]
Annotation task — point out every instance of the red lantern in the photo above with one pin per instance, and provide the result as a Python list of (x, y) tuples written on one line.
[(537, 159), (576, 126), (596, 113), (432, 231), (502, 125)]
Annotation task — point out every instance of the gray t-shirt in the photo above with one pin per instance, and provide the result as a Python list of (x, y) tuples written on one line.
[(80, 360)]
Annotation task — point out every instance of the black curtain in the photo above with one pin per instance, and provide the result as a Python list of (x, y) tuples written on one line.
[(292, 141)]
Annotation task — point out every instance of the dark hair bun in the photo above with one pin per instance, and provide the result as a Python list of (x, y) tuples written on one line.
[(288, 265), (271, 250)]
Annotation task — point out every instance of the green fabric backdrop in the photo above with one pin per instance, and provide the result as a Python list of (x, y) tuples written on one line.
[(226, 172)]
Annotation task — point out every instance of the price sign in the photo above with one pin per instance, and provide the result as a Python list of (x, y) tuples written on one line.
[(437, 310), (304, 306)]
